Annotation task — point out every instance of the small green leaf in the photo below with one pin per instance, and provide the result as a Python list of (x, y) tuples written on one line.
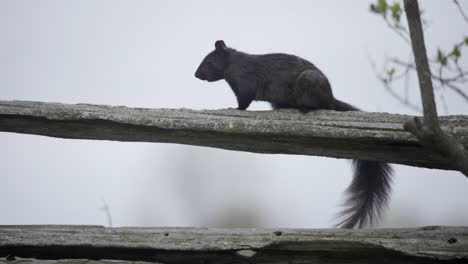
[(466, 41), (383, 4), (439, 55), (391, 72), (441, 58), (380, 8), (456, 52), (396, 11)]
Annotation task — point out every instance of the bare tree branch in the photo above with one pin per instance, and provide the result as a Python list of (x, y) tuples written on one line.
[(429, 132), (401, 99), (446, 68), (457, 90), (461, 10), (398, 30), (448, 82), (386, 82)]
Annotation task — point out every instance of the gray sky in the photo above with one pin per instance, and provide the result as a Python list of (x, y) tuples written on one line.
[(144, 53)]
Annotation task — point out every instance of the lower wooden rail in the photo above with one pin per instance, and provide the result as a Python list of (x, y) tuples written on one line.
[(95, 244)]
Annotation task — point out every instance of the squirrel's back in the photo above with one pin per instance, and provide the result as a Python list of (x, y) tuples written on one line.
[(277, 78)]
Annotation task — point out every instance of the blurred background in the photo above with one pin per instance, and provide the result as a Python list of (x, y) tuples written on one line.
[(144, 54)]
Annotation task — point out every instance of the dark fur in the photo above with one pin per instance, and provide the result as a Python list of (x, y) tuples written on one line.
[(287, 81)]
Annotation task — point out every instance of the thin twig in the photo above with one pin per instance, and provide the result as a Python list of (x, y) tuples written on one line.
[(402, 100), (461, 10), (398, 30), (388, 88), (444, 103), (106, 209), (457, 90), (444, 81)]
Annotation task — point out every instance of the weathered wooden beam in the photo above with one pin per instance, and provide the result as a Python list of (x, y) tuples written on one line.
[(351, 135), (71, 261), (202, 245)]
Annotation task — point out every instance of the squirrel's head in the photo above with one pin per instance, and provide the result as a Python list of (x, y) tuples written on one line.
[(213, 65)]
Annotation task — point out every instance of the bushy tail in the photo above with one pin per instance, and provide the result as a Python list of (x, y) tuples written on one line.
[(369, 191)]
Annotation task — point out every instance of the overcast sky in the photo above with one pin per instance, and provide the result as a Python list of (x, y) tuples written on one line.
[(144, 54)]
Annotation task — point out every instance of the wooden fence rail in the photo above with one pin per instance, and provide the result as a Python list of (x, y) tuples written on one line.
[(372, 136), (79, 244)]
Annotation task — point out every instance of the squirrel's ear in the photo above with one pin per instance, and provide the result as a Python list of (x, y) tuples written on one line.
[(220, 45)]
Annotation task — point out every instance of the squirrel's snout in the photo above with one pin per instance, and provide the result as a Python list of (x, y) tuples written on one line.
[(200, 75)]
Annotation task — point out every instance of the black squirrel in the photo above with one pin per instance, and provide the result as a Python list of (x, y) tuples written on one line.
[(287, 81)]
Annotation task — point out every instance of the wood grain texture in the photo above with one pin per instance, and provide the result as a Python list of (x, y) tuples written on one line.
[(70, 261), (202, 245), (350, 135)]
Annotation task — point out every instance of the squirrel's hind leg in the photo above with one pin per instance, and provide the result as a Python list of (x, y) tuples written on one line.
[(312, 91)]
